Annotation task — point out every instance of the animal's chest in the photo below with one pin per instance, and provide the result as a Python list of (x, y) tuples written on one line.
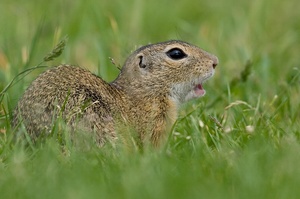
[(147, 115)]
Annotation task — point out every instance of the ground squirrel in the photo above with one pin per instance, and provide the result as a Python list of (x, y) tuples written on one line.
[(152, 84)]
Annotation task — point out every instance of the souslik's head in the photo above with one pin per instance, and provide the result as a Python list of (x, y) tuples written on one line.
[(175, 68)]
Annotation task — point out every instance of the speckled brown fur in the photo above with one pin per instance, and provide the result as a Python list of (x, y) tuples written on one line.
[(145, 95)]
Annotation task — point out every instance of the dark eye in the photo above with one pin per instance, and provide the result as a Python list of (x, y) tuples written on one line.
[(176, 54)]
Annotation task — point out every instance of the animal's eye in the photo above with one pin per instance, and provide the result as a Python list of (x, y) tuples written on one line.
[(176, 54)]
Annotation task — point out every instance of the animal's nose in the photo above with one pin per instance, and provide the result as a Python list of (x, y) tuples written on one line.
[(215, 61)]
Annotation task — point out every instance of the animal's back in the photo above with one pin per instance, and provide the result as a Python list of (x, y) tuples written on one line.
[(74, 94)]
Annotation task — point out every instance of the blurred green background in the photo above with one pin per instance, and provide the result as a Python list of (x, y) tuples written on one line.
[(240, 141)]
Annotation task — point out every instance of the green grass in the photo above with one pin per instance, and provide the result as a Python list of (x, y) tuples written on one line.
[(242, 140)]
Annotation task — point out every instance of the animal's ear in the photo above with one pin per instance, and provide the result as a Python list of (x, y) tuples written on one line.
[(142, 62)]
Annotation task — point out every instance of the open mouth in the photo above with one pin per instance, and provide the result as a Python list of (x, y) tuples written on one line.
[(199, 91), (196, 90), (189, 90)]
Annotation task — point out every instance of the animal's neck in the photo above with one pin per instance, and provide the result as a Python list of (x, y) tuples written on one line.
[(152, 111), (148, 98)]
